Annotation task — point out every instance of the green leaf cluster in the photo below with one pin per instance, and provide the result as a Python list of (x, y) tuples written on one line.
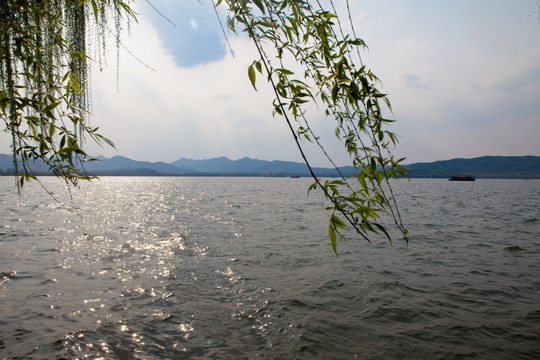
[(306, 53), (302, 34), (44, 78)]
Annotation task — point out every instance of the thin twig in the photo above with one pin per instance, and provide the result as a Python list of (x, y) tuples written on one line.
[(160, 13)]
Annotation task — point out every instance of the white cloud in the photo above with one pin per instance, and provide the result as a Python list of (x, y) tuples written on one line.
[(459, 75), (199, 112), (462, 78)]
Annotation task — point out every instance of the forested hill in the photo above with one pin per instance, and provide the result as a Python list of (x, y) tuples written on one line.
[(482, 167), (221, 166), (510, 167)]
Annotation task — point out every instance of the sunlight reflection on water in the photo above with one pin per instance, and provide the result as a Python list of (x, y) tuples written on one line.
[(241, 268)]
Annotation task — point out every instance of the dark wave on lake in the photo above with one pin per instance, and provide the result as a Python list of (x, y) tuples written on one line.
[(242, 268)]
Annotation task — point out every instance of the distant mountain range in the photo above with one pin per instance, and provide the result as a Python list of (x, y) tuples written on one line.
[(221, 166), (480, 167), (510, 167)]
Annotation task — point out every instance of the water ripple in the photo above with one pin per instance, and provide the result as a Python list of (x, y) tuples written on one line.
[(230, 268)]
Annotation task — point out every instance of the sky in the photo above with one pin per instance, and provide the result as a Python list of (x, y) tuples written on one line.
[(463, 78)]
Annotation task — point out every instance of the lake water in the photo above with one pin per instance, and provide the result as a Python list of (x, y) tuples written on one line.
[(242, 268)]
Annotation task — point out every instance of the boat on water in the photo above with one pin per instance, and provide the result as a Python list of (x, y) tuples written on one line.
[(461, 178)]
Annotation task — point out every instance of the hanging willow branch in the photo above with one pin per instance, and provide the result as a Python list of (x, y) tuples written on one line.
[(299, 34), (45, 82), (44, 77)]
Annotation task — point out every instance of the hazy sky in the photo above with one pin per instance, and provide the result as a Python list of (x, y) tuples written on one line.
[(463, 77)]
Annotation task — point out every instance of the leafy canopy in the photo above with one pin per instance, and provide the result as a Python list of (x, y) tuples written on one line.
[(308, 57), (44, 77), (305, 53)]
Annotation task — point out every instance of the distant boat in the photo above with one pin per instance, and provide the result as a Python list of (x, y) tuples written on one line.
[(461, 178), (295, 177)]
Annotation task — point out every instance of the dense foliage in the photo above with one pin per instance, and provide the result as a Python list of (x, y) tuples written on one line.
[(305, 53), (44, 77), (307, 56)]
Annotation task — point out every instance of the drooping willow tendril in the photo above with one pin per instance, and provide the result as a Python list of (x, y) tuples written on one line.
[(45, 95), (305, 36), (45, 80)]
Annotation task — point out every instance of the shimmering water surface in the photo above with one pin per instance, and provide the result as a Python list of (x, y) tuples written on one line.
[(233, 268)]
